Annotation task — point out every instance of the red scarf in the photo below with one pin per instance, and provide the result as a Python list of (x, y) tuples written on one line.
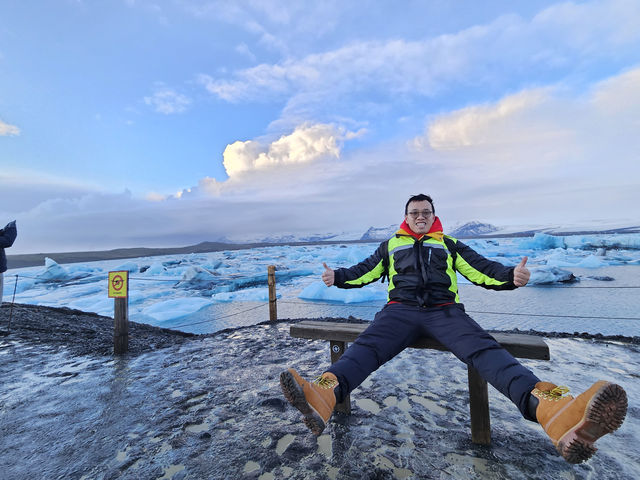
[(434, 232)]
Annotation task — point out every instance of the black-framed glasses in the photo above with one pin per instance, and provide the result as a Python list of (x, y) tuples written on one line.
[(418, 213)]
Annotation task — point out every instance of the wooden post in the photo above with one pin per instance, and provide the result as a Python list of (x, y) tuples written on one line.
[(121, 326), (479, 408), (337, 349), (271, 280)]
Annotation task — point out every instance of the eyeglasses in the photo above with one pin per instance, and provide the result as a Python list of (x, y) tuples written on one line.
[(424, 213)]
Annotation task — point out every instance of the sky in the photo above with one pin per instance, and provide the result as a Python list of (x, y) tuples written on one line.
[(145, 123)]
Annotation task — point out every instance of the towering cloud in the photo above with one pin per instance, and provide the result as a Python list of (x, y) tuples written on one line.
[(306, 144)]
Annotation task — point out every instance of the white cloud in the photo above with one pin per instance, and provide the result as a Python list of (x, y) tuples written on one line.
[(498, 123), (543, 150), (307, 143), (566, 38), (608, 113), (167, 101), (277, 25), (207, 187), (244, 50), (7, 130)]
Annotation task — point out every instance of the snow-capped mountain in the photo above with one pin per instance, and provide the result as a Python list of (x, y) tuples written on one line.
[(473, 229), (379, 233)]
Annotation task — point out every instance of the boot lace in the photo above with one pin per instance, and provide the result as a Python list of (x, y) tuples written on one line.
[(325, 382), (554, 394)]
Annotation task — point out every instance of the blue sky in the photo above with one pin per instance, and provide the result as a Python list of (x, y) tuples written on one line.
[(148, 123)]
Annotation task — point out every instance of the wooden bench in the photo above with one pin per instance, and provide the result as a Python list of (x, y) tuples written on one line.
[(340, 334)]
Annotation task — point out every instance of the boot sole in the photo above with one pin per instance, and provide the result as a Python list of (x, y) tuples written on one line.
[(295, 396), (604, 414)]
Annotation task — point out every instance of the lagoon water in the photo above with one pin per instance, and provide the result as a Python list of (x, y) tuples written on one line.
[(580, 283)]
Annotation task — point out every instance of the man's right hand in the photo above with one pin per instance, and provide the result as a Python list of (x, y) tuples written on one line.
[(328, 276)]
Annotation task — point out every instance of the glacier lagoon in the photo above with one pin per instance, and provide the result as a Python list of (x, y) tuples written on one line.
[(579, 283)]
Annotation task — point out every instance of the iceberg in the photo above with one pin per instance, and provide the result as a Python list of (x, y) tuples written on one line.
[(156, 268), (319, 291), (247, 295), (543, 241), (198, 277), (130, 267), (176, 308), (547, 275), (53, 272)]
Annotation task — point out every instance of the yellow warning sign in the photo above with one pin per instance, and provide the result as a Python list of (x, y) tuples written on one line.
[(118, 284)]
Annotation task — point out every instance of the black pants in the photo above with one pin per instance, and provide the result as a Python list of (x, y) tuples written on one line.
[(397, 326)]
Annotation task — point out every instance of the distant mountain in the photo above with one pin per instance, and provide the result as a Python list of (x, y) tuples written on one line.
[(473, 229), (379, 233), (289, 238)]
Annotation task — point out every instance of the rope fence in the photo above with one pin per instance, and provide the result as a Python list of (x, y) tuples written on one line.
[(175, 279)]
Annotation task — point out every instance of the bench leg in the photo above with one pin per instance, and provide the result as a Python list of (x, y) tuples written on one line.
[(479, 407), (337, 349)]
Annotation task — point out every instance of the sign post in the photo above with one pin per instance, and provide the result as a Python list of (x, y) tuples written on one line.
[(119, 291)]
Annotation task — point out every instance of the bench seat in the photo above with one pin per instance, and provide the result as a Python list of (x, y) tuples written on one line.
[(339, 334)]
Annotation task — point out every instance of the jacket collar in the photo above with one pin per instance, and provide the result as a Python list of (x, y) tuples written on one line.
[(434, 232)]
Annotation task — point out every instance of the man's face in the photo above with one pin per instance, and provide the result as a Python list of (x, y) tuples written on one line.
[(420, 216)]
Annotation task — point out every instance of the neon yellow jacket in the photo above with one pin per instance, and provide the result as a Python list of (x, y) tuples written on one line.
[(422, 270)]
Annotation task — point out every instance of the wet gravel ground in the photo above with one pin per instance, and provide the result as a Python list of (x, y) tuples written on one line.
[(80, 333), (210, 407)]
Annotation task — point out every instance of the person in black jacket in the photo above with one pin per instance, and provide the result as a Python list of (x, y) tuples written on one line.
[(7, 237), (421, 264)]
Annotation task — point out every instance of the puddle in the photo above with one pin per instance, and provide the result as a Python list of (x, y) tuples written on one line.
[(198, 428), (170, 471), (197, 406), (251, 466), (325, 445), (478, 464), (332, 473), (284, 443), (429, 404), (390, 401), (368, 405), (404, 405)]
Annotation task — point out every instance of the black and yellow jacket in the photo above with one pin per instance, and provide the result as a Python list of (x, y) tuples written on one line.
[(422, 269)]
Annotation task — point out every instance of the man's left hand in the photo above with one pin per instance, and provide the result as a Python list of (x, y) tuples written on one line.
[(521, 273)]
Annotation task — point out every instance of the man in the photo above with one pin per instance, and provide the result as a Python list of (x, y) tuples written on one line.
[(7, 237), (421, 264)]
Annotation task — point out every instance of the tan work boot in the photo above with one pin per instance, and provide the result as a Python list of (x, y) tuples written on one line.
[(315, 400), (574, 424)]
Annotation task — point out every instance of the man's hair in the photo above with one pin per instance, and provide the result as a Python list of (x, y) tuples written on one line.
[(419, 198)]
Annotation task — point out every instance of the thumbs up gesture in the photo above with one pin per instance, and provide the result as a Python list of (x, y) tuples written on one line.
[(328, 276), (521, 273)]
